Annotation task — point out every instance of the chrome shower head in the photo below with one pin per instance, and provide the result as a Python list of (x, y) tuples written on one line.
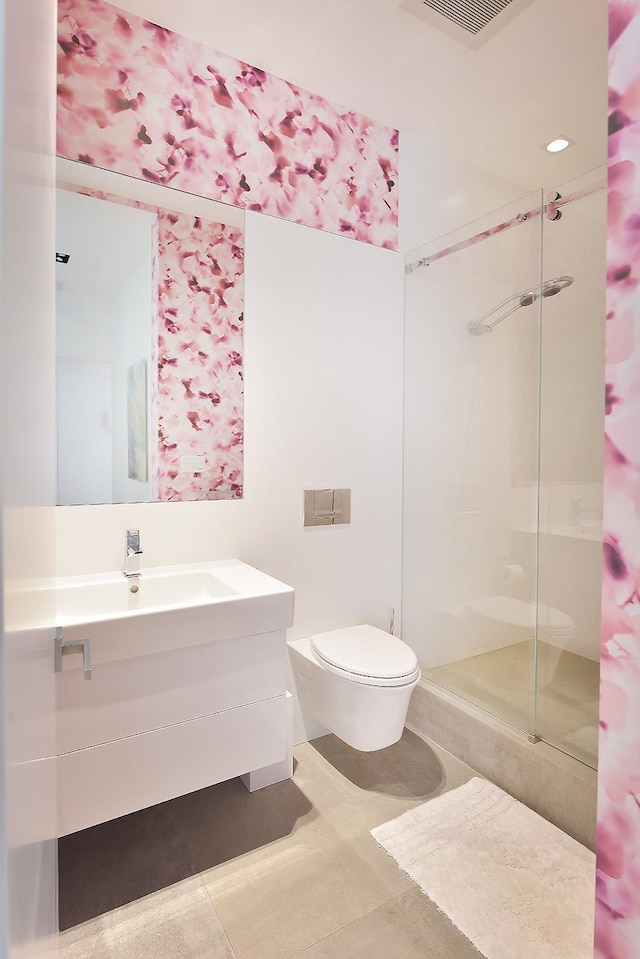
[(557, 285), (528, 298)]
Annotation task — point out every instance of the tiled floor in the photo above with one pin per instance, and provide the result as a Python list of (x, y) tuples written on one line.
[(568, 692), (289, 871)]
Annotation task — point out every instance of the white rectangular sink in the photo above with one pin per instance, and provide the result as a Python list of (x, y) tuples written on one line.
[(109, 596), (229, 587), (226, 595)]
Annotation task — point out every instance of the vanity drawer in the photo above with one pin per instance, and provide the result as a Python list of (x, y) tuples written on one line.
[(116, 778), (135, 695)]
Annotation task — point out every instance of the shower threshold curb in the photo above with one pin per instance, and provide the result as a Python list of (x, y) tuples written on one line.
[(552, 783)]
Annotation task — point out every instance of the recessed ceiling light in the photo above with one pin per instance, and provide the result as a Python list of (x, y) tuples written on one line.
[(559, 144)]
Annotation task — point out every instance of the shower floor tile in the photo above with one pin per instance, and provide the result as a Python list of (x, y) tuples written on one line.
[(285, 872), (568, 692)]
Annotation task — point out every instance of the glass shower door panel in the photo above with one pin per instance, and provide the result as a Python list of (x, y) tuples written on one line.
[(571, 471), (471, 460)]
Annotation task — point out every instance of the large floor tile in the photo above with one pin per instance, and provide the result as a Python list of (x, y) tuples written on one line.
[(281, 899), (226, 821), (383, 784), (118, 862), (404, 928), (408, 768), (176, 923), (274, 871)]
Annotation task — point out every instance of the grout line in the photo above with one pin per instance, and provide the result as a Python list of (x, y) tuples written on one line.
[(364, 915), (442, 916), (232, 952)]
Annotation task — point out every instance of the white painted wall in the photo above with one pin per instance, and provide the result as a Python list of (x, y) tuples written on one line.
[(463, 411), (323, 362), (28, 913), (440, 193), (457, 403), (323, 356), (471, 419)]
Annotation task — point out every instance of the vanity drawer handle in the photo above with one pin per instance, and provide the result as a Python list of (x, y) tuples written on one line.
[(82, 644)]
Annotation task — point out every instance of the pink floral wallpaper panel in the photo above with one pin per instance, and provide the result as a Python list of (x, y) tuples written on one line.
[(139, 99), (200, 358), (618, 874)]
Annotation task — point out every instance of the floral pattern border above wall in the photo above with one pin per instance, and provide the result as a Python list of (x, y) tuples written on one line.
[(141, 100), (618, 878)]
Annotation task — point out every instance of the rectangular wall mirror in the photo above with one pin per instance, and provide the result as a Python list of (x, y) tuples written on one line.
[(149, 342)]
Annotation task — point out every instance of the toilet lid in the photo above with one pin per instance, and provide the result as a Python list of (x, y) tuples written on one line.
[(365, 651)]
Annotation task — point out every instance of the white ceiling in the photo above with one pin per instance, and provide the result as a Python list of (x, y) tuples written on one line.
[(543, 75)]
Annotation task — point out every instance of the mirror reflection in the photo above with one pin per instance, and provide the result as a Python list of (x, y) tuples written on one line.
[(149, 354)]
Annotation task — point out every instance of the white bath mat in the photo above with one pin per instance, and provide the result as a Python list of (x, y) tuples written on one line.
[(516, 886)]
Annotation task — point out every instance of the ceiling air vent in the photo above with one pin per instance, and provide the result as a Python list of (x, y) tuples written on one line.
[(473, 22)]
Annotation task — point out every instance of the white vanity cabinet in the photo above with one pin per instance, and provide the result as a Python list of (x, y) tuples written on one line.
[(177, 699)]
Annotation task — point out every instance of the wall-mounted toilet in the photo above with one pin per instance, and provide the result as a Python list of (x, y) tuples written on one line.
[(357, 682)]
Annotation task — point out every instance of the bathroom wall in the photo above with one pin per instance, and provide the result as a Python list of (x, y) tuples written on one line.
[(323, 371), (28, 909), (456, 536), (459, 468), (618, 880), (441, 193), (479, 519), (323, 364)]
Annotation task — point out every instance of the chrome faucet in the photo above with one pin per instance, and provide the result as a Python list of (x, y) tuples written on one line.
[(131, 568)]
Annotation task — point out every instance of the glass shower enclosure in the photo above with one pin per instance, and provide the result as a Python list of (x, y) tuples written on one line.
[(503, 462)]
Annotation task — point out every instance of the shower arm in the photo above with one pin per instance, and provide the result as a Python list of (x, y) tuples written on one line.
[(479, 326)]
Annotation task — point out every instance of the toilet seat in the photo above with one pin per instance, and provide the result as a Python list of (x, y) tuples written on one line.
[(366, 655)]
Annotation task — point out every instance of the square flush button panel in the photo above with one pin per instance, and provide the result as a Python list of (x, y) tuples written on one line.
[(327, 507)]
